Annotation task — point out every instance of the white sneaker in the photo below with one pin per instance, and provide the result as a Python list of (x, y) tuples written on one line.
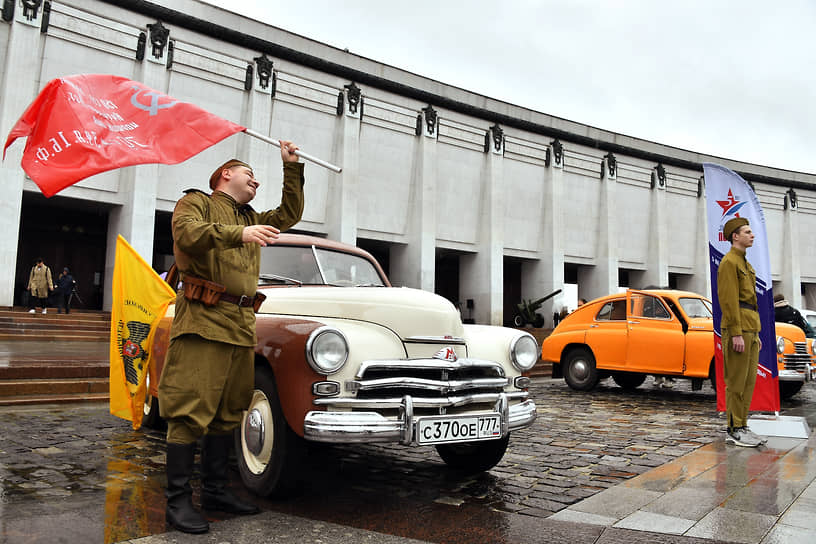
[(758, 437), (738, 437), (32, 311), (45, 311)]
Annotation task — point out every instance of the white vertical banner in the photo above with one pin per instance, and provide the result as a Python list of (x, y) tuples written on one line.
[(729, 196)]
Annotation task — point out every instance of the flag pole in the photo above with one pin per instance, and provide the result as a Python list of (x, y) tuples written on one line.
[(299, 153)]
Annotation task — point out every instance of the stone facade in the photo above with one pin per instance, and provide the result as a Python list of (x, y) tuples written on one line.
[(514, 202)]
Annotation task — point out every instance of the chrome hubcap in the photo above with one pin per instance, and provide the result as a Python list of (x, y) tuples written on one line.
[(580, 369), (254, 431)]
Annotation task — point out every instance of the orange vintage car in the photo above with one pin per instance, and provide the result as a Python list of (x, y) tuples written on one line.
[(662, 332)]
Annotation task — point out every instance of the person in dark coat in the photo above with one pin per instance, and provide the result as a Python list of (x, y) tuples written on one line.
[(785, 313), (65, 286)]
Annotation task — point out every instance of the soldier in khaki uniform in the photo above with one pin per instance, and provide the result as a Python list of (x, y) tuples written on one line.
[(740, 326), (208, 377)]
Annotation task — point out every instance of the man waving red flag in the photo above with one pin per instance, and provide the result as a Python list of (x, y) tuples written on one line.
[(85, 124)]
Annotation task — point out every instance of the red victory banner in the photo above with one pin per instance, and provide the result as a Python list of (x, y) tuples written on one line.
[(85, 124)]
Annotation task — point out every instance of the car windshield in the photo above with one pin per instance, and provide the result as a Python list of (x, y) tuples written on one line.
[(696, 307), (315, 266)]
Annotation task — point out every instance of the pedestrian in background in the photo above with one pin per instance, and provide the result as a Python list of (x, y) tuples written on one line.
[(40, 283), (208, 378), (65, 287), (739, 328)]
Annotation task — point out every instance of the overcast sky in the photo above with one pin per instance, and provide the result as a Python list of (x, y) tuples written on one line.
[(734, 79)]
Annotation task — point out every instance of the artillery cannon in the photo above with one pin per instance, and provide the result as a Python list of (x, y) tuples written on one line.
[(526, 311)]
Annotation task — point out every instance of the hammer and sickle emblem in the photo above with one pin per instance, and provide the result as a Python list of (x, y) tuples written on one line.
[(154, 106)]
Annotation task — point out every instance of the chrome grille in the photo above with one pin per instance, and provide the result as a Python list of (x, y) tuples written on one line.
[(435, 386), (799, 359)]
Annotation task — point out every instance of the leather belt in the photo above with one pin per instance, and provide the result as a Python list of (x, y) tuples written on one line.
[(244, 301), (742, 304)]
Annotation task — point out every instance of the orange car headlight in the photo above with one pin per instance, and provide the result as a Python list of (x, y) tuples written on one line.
[(780, 344)]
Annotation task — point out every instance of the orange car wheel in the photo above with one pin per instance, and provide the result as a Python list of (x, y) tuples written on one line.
[(580, 372)]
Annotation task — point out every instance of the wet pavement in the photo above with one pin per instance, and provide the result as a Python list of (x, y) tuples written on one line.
[(607, 466)]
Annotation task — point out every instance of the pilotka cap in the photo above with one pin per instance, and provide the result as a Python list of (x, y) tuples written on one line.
[(732, 225), (229, 164)]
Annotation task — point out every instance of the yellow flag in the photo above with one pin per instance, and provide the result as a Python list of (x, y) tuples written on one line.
[(140, 299)]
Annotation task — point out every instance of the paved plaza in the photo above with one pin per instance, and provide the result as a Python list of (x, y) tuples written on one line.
[(606, 466)]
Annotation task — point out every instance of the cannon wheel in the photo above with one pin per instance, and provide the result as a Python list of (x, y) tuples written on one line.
[(518, 321)]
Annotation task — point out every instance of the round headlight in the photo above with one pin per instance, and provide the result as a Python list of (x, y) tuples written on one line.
[(780, 344), (813, 347), (326, 350), (524, 352)]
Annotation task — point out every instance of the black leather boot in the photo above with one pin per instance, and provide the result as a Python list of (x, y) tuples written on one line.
[(214, 492), (180, 512)]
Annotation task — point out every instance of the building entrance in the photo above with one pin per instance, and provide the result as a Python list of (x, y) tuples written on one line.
[(63, 232)]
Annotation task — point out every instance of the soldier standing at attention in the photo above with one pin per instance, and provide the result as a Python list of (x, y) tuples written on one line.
[(208, 377), (740, 326)]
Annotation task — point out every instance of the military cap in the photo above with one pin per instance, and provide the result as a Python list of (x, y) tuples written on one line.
[(732, 225), (229, 164)]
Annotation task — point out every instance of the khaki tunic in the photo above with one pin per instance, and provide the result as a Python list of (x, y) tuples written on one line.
[(207, 244), (736, 283), (207, 379), (40, 281)]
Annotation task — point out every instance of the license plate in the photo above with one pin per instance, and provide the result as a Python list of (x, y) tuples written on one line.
[(439, 430)]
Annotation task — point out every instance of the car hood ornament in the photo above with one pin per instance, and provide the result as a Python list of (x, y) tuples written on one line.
[(446, 354)]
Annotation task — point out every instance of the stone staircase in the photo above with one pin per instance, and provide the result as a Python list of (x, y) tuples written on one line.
[(81, 326), (53, 358)]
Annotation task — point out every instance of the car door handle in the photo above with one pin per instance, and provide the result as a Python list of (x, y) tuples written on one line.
[(633, 322)]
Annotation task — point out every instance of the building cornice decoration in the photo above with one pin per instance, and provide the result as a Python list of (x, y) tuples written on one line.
[(790, 199), (30, 8), (158, 38), (265, 70), (141, 45), (355, 98), (700, 185), (8, 10), (170, 48), (496, 134), (659, 176), (558, 151), (249, 76), (612, 163), (46, 17), (430, 119)]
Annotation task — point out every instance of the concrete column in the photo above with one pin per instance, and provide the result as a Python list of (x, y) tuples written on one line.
[(482, 275), (700, 281), (543, 276), (657, 262), (414, 264), (790, 277), (342, 194), (603, 278), (17, 89), (263, 157), (138, 185)]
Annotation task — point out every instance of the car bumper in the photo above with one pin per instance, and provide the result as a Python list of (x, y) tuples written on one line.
[(345, 427), (796, 376)]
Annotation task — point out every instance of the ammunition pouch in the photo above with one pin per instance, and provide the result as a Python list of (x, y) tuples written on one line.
[(209, 293), (204, 291)]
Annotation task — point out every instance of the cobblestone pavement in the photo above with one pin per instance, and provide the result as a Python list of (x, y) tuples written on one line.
[(79, 463)]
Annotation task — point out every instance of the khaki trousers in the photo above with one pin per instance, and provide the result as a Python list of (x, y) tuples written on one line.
[(740, 377), (204, 388)]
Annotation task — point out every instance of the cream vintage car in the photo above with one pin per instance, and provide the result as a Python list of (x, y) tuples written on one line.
[(343, 357)]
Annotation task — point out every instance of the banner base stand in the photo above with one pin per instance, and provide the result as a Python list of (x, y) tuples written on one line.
[(776, 425)]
